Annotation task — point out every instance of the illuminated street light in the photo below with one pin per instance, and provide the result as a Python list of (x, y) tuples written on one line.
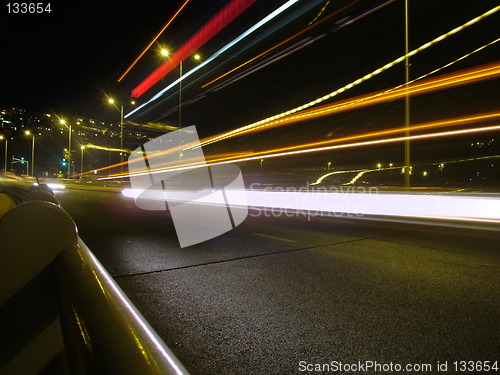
[(197, 57), (6, 145), (63, 122), (407, 102), (27, 132), (81, 161), (441, 167), (112, 101)]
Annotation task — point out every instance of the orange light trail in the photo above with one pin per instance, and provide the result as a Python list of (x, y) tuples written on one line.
[(359, 80), (463, 77), (253, 156), (154, 40), (426, 126)]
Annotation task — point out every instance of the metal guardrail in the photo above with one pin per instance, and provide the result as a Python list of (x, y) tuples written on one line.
[(60, 309)]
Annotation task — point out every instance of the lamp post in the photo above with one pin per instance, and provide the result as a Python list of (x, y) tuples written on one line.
[(407, 104), (6, 145), (63, 122), (32, 151), (81, 161), (165, 53), (112, 101)]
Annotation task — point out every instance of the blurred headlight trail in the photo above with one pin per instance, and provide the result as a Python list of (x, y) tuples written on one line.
[(474, 207)]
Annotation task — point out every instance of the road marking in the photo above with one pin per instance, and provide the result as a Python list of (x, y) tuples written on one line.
[(274, 237)]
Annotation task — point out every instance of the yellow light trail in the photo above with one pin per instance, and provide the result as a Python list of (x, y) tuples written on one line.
[(350, 85), (90, 145), (252, 156), (372, 98), (463, 77), (466, 120), (154, 40), (446, 81)]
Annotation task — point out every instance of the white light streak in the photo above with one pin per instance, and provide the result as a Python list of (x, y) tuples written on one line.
[(218, 53), (452, 206)]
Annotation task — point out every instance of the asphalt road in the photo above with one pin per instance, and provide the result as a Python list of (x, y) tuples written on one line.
[(285, 295)]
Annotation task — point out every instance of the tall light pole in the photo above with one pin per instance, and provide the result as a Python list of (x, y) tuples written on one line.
[(165, 53), (6, 145), (63, 122), (112, 101), (27, 132), (82, 147), (180, 92), (407, 103)]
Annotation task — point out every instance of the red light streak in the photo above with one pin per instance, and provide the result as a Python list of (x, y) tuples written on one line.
[(225, 16)]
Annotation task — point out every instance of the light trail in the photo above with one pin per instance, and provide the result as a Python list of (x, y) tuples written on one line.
[(362, 171), (281, 43), (252, 156), (154, 40), (450, 80), (352, 84), (463, 77), (218, 22), (90, 145), (255, 27), (474, 207), (466, 120)]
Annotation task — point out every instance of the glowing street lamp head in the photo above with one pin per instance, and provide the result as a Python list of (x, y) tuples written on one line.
[(82, 147), (164, 52), (111, 101), (27, 132), (62, 121), (197, 57), (2, 137)]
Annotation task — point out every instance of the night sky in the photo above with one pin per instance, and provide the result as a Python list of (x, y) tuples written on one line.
[(65, 62), (68, 61)]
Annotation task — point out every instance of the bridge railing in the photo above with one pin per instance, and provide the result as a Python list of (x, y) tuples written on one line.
[(60, 310)]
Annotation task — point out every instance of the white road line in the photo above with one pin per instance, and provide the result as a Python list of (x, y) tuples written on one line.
[(273, 237)]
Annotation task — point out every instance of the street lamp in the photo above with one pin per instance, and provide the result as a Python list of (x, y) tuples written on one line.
[(390, 173), (112, 101), (81, 161), (63, 122), (27, 132), (164, 52), (6, 144), (407, 104)]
